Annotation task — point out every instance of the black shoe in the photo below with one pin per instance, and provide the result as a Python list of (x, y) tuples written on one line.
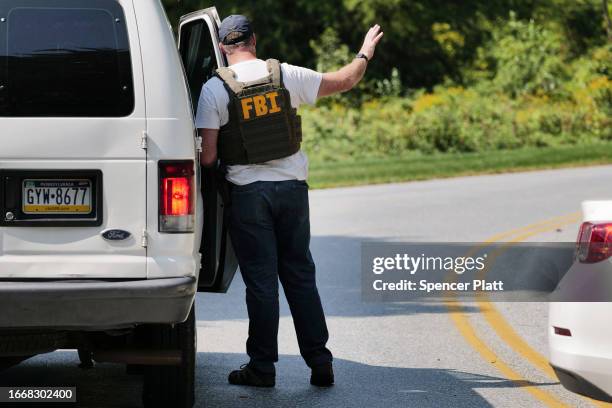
[(249, 376), (322, 375)]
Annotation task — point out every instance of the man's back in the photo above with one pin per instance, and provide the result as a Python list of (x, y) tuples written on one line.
[(302, 84), (269, 222)]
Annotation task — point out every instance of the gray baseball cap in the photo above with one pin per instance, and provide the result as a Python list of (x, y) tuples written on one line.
[(234, 29)]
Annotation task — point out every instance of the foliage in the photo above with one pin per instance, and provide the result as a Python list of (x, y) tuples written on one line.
[(529, 58), (426, 41), (469, 76), (487, 116)]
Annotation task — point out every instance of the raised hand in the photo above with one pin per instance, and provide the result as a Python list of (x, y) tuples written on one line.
[(371, 40)]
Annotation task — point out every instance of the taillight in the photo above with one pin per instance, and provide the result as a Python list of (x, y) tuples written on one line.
[(594, 242), (176, 196)]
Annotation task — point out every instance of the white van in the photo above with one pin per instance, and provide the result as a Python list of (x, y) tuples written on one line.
[(102, 198)]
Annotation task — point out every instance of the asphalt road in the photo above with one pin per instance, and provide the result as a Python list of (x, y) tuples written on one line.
[(386, 355)]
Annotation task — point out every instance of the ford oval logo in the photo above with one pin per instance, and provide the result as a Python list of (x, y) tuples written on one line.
[(115, 235)]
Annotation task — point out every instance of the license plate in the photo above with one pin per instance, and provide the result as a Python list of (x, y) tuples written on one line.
[(57, 196)]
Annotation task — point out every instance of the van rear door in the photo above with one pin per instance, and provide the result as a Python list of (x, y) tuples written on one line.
[(72, 121), (201, 56)]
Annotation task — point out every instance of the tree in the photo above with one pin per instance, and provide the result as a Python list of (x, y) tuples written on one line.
[(606, 13), (427, 42)]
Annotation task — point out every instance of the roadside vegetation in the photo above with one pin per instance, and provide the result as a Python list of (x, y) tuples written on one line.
[(459, 88)]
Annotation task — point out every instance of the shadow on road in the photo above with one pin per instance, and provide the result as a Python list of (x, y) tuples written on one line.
[(338, 261), (339, 279), (370, 386)]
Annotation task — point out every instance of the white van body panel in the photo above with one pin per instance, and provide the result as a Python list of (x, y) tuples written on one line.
[(60, 266), (170, 135), (111, 145)]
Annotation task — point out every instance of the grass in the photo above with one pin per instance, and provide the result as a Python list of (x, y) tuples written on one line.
[(423, 167)]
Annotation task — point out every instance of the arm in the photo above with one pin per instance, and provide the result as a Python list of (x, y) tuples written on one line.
[(344, 79), (348, 76), (208, 156)]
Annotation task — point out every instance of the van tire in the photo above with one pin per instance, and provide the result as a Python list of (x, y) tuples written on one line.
[(172, 386)]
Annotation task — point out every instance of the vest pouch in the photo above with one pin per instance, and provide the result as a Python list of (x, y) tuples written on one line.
[(268, 139)]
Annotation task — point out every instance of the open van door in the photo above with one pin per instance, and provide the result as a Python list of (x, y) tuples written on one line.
[(201, 56)]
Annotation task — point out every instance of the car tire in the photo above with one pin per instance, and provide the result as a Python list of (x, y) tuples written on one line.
[(172, 386)]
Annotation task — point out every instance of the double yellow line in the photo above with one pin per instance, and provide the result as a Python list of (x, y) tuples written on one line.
[(504, 330)]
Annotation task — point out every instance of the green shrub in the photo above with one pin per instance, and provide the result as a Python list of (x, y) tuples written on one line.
[(457, 120), (525, 90)]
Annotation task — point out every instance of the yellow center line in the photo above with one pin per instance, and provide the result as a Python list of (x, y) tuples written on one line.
[(505, 331), (503, 328), (469, 334), (462, 323), (537, 225)]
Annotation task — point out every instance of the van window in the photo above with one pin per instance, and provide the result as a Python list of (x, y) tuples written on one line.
[(64, 58), (198, 55)]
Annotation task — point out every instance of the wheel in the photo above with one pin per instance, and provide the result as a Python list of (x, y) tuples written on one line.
[(172, 386), (85, 358)]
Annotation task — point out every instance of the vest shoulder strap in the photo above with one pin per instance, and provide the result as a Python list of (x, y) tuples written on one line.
[(276, 74), (275, 77), (229, 78)]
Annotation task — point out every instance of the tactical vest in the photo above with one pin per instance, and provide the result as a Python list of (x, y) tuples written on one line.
[(262, 125)]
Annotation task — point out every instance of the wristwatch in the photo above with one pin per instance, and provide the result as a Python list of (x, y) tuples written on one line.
[(362, 55)]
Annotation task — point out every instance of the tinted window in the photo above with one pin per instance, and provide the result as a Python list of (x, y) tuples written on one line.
[(64, 58), (198, 55)]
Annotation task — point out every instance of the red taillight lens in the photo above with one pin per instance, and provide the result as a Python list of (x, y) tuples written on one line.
[(175, 193), (176, 196), (594, 242)]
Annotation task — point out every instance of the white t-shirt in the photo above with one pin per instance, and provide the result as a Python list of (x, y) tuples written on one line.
[(303, 86)]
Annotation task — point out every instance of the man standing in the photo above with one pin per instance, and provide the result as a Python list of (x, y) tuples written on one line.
[(247, 118)]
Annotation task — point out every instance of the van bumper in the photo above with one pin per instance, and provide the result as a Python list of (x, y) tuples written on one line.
[(95, 304)]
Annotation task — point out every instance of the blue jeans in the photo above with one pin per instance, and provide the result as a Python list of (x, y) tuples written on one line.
[(270, 232)]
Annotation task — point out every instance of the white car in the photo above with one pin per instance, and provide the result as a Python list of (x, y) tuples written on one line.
[(580, 329), (105, 236)]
